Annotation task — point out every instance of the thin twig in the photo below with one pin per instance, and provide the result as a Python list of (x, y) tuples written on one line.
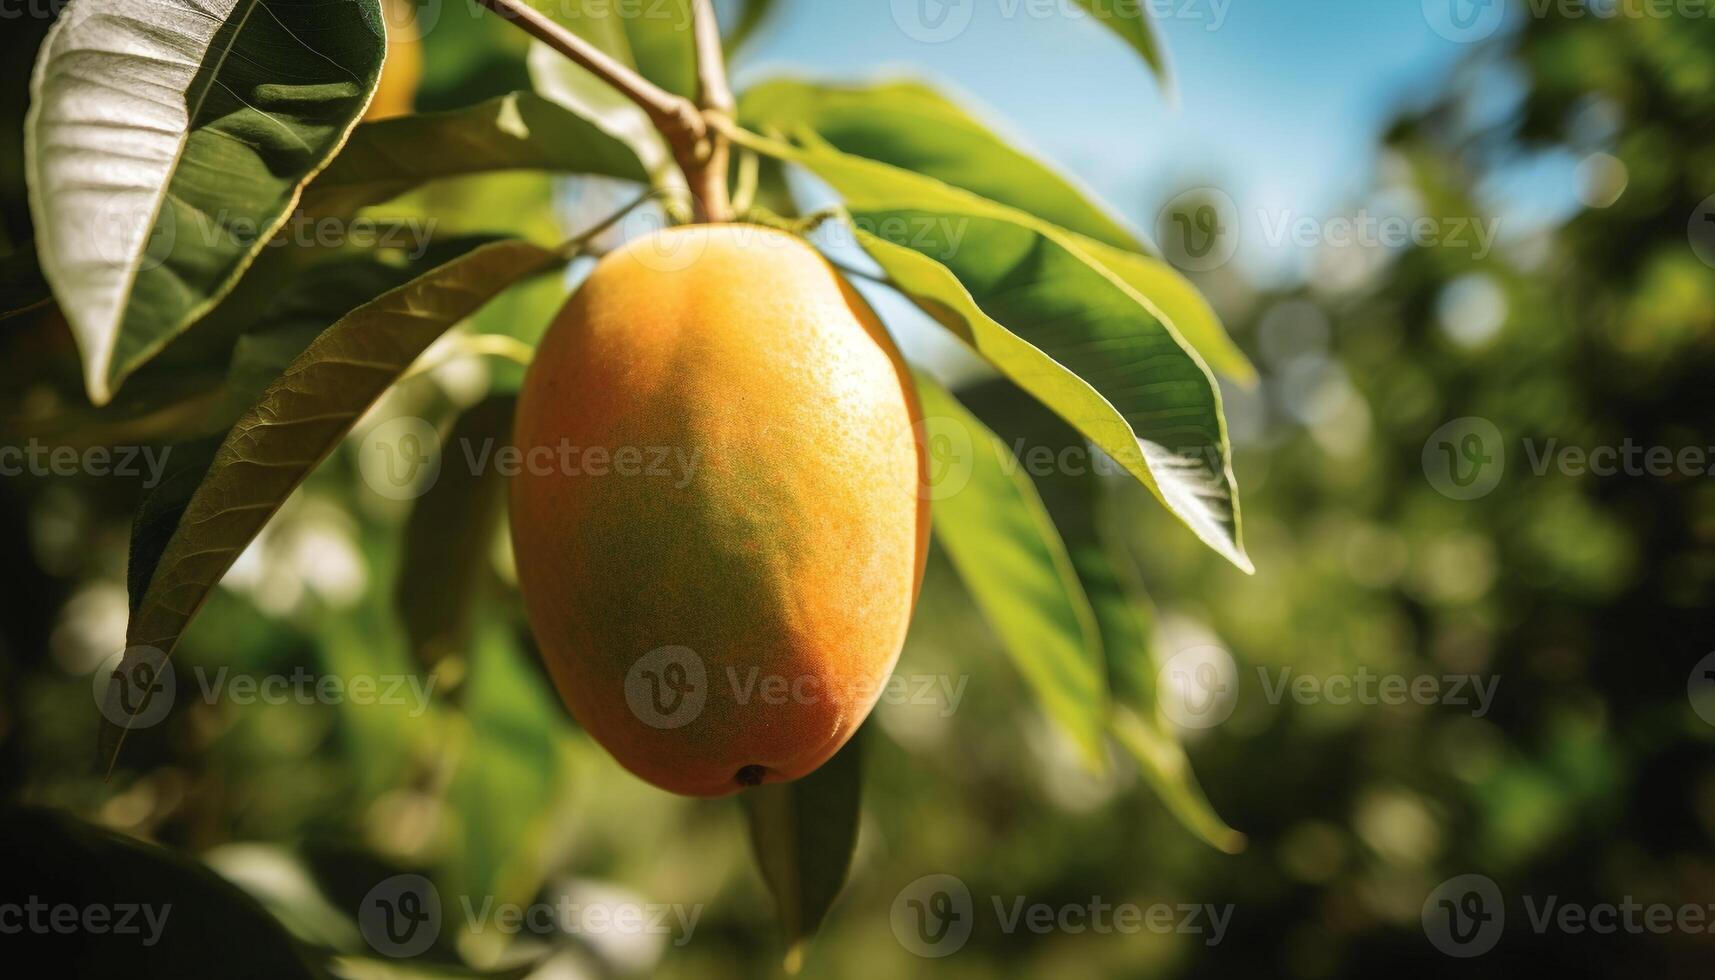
[(714, 97), (701, 156)]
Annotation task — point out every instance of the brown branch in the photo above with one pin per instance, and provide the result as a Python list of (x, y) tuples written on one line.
[(695, 148), (714, 95)]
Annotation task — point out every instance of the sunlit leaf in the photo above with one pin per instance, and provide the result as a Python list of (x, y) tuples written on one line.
[(298, 420), (167, 141), (1132, 21), (521, 131), (995, 529), (602, 23), (1033, 300), (912, 126), (803, 834), (1072, 490)]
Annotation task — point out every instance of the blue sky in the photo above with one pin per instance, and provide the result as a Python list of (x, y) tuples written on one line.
[(1279, 102)]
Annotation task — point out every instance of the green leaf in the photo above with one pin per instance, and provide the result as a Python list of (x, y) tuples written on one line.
[(188, 920), (803, 834), (521, 131), (1074, 495), (1173, 300), (298, 420), (445, 565), (1131, 20), (602, 24), (663, 45), (911, 126), (752, 14), (1036, 303), (168, 140), (511, 772), (999, 537)]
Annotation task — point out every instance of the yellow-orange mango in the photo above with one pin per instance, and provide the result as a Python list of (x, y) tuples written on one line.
[(717, 511)]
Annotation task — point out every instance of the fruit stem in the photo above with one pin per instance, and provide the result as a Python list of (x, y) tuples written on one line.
[(698, 149), (714, 96)]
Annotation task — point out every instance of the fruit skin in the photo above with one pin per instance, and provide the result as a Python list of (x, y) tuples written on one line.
[(402, 72), (785, 558)]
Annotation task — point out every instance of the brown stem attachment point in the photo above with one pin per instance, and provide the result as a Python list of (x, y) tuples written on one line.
[(697, 149)]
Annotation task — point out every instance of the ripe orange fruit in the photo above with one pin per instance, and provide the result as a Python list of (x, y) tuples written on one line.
[(402, 72), (717, 519)]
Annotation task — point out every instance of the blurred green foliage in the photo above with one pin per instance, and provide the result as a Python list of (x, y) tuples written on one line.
[(1584, 598)]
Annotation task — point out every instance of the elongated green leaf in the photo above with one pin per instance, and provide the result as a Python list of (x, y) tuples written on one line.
[(1131, 20), (911, 126), (752, 14), (445, 565), (298, 420), (995, 529), (602, 23), (663, 45), (1033, 300), (168, 140), (511, 773), (1173, 300), (803, 834), (1072, 491), (521, 131)]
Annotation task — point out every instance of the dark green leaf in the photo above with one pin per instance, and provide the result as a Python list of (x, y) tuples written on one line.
[(521, 131), (803, 834), (298, 420), (445, 566), (1035, 301), (993, 526), (168, 140)]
